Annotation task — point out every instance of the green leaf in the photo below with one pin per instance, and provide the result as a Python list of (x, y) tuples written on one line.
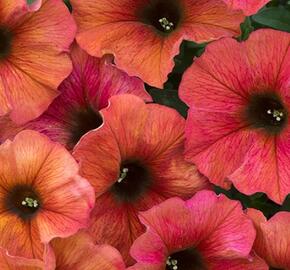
[(169, 98), (274, 17), (246, 28), (68, 4)]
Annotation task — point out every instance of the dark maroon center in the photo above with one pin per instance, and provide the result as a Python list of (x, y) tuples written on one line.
[(134, 180), (23, 201), (164, 15), (189, 259), (82, 121), (273, 268), (5, 42), (267, 111)]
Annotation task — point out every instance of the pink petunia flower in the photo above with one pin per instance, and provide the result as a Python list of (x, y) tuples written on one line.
[(33, 55), (207, 232), (134, 161), (238, 126), (41, 197), (273, 238), (145, 35), (85, 92)]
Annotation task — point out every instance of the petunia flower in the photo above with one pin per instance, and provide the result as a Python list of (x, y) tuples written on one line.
[(145, 35), (134, 161), (238, 126), (207, 232), (78, 252), (85, 92), (33, 55), (273, 238), (41, 196), (249, 7)]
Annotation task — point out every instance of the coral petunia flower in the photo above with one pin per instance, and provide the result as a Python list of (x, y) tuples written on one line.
[(134, 161), (78, 252), (85, 92), (273, 238), (249, 7), (41, 196), (238, 126), (145, 35), (33, 55), (207, 232)]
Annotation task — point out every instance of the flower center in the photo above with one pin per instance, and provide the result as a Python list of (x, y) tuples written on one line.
[(189, 259), (273, 268), (266, 110), (5, 42), (133, 181), (23, 201), (164, 15), (81, 122)]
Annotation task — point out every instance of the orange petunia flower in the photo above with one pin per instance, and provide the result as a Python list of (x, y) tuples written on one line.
[(145, 35), (41, 196), (34, 42)]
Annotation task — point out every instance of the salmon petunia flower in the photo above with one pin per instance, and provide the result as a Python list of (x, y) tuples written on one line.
[(76, 110), (238, 127), (145, 35), (34, 41), (78, 252), (273, 238), (207, 232), (42, 196), (134, 161)]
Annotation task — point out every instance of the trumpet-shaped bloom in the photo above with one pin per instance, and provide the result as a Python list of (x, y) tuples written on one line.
[(78, 252), (145, 35), (205, 232), (85, 92), (41, 196), (238, 126), (134, 161), (273, 238), (33, 55)]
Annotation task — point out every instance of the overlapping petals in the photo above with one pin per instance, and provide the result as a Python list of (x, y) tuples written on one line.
[(134, 164), (85, 92), (233, 133), (78, 252), (41, 194), (273, 238), (33, 55), (207, 231), (145, 35)]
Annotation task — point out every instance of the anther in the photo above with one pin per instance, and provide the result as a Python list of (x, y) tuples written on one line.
[(123, 175), (167, 25), (172, 263), (29, 202), (276, 114)]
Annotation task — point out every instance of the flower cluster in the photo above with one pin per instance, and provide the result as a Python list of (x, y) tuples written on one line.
[(96, 175)]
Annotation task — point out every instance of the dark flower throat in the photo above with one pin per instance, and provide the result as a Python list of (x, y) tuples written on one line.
[(5, 42), (82, 121), (134, 180), (23, 201), (267, 111), (189, 259), (164, 15)]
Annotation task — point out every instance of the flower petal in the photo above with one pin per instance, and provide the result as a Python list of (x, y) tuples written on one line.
[(271, 244), (78, 252), (247, 6)]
